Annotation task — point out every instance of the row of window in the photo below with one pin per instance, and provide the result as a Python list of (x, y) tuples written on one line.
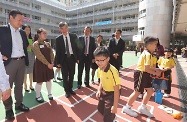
[(104, 9), (38, 7)]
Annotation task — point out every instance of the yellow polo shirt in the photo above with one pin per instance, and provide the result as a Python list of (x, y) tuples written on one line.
[(166, 62), (154, 59), (145, 58), (109, 78)]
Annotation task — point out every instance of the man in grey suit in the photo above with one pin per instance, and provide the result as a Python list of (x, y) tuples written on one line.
[(67, 49), (13, 42)]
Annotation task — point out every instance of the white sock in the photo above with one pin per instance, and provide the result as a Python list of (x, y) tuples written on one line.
[(58, 74), (38, 88), (55, 75), (128, 106), (48, 86), (143, 105)]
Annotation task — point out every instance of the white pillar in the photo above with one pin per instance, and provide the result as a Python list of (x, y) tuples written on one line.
[(158, 19)]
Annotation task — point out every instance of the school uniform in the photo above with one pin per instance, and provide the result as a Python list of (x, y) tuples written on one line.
[(143, 79), (109, 78), (44, 56), (165, 63)]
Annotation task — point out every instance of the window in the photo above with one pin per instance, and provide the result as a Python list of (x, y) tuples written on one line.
[(26, 15), (24, 4), (142, 13), (38, 7), (1, 23), (15, 1), (55, 31), (36, 17), (1, 10), (7, 11)]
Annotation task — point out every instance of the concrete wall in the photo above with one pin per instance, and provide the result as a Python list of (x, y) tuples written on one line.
[(158, 19)]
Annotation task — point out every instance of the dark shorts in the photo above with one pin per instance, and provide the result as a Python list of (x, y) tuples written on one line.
[(106, 101), (142, 80)]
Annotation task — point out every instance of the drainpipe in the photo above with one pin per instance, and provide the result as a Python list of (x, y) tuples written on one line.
[(173, 24)]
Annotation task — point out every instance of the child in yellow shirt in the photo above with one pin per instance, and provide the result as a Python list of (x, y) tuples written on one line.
[(142, 79), (166, 63), (109, 88)]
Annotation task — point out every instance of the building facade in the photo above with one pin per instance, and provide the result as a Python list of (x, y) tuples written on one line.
[(155, 19), (104, 16)]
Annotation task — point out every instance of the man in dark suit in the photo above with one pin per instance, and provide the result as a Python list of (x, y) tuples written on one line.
[(116, 47), (86, 57), (14, 44), (67, 49)]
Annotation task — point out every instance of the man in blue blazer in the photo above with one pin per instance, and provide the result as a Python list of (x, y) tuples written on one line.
[(13, 45), (86, 57), (116, 48)]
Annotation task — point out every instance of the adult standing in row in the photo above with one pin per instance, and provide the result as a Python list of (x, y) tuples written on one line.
[(31, 57), (116, 48), (66, 56), (14, 44), (86, 56)]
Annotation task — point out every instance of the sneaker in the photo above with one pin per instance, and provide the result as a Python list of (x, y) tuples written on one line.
[(129, 111), (145, 111), (140, 96), (166, 95)]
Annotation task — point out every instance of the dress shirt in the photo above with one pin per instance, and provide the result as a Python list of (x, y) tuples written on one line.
[(69, 43), (117, 40), (4, 78), (17, 43), (88, 42)]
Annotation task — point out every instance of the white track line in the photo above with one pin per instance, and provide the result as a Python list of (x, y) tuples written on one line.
[(118, 116), (72, 105), (84, 98), (57, 98), (92, 120), (88, 117)]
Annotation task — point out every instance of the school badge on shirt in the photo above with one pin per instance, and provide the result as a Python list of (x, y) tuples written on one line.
[(41, 46)]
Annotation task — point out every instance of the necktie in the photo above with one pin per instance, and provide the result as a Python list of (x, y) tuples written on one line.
[(86, 44), (67, 48)]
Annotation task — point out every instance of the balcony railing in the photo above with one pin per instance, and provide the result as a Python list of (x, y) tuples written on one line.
[(127, 21), (31, 9), (110, 11), (124, 33)]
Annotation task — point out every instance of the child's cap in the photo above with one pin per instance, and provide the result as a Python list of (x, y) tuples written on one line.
[(168, 50)]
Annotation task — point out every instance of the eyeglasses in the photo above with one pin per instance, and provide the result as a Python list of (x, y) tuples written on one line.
[(100, 61)]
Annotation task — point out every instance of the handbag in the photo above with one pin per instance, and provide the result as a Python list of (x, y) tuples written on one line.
[(160, 83)]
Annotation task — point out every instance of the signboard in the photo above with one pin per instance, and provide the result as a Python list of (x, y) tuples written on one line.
[(104, 23), (137, 38)]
